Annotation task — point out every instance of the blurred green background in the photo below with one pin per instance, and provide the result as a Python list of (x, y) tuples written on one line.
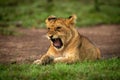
[(32, 13)]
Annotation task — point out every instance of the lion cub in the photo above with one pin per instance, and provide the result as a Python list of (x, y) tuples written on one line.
[(67, 45)]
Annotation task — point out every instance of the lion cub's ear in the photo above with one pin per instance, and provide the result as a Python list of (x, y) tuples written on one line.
[(50, 18), (72, 19)]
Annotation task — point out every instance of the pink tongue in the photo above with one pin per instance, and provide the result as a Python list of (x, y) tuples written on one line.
[(57, 43)]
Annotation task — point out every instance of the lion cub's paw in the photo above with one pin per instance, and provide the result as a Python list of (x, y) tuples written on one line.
[(44, 60), (37, 62), (47, 60)]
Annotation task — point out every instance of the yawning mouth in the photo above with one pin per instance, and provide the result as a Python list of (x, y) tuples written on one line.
[(57, 42)]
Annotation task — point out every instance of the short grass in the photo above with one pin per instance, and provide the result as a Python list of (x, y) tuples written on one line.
[(11, 30), (32, 13), (108, 69)]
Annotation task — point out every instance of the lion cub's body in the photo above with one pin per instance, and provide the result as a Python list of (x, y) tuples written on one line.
[(67, 45)]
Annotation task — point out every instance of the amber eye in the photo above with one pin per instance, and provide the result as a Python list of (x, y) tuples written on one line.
[(58, 28), (48, 28)]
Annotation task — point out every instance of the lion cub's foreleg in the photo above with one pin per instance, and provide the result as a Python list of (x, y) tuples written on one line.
[(46, 59), (65, 60)]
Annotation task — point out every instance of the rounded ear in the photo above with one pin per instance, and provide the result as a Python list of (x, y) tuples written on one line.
[(50, 18), (72, 19)]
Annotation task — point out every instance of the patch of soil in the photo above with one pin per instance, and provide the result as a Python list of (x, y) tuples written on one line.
[(33, 43)]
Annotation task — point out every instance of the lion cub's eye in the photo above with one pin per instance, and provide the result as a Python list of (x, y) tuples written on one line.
[(48, 28), (57, 28)]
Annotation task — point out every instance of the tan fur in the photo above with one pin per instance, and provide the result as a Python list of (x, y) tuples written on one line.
[(75, 46)]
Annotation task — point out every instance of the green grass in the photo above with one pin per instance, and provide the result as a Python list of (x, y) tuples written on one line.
[(32, 13), (9, 31), (108, 69)]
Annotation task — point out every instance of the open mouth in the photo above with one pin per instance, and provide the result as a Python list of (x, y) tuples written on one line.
[(57, 42)]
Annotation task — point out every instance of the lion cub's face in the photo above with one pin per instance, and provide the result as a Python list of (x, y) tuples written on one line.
[(60, 30)]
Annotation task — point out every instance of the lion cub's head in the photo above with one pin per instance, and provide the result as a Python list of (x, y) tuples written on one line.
[(60, 30)]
